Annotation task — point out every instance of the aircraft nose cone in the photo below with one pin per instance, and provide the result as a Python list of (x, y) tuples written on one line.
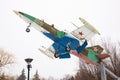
[(16, 12)]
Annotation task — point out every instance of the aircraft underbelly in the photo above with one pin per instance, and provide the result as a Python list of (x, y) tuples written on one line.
[(61, 45), (68, 42)]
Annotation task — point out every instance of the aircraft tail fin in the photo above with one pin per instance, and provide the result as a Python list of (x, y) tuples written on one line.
[(80, 48)]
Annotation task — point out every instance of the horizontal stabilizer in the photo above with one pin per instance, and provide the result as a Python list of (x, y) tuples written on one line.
[(84, 58)]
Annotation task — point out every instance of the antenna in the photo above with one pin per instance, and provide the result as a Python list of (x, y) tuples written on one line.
[(75, 25)]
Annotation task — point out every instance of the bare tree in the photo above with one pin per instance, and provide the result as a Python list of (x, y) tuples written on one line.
[(90, 72), (6, 77), (5, 59), (68, 77)]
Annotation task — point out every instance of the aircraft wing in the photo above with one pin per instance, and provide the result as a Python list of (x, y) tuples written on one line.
[(87, 31), (49, 52)]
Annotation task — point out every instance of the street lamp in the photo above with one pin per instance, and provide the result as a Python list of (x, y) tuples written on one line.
[(29, 60)]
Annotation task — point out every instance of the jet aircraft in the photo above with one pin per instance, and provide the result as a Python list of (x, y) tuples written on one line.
[(64, 43)]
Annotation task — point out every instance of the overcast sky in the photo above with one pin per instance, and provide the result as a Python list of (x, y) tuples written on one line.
[(103, 14)]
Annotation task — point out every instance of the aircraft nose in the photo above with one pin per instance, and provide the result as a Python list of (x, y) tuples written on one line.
[(16, 12)]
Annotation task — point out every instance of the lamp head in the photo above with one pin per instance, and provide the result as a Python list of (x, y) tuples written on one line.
[(28, 60)]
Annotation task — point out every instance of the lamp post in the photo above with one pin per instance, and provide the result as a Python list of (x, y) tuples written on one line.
[(29, 60)]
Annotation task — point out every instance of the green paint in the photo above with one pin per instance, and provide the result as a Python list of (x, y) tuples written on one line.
[(92, 55), (60, 34), (30, 17), (37, 21)]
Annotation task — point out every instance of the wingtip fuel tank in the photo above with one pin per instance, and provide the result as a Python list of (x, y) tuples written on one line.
[(88, 25)]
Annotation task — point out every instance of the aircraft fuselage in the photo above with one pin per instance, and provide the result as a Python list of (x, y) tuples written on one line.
[(62, 42)]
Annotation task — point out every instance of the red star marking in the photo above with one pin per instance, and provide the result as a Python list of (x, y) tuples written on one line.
[(81, 33)]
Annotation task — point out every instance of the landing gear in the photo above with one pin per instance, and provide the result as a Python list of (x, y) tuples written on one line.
[(56, 55), (27, 29), (68, 49)]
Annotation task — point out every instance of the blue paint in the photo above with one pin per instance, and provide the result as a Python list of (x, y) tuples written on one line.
[(60, 49), (80, 48), (51, 36), (60, 45)]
